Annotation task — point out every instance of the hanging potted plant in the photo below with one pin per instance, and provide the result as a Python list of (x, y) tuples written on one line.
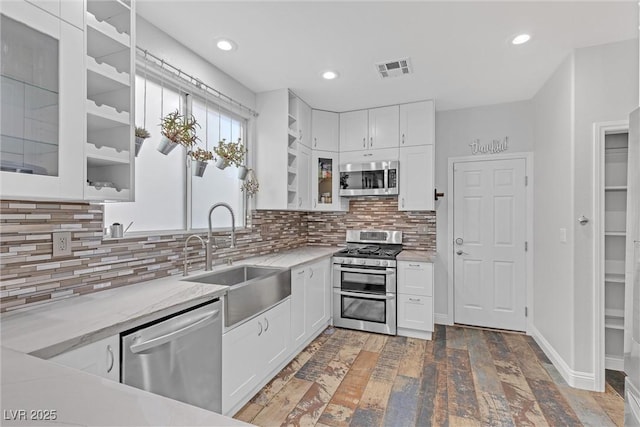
[(199, 160), (229, 153), (177, 130), (250, 186), (141, 135)]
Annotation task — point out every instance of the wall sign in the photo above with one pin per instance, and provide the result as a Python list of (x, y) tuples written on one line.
[(494, 147)]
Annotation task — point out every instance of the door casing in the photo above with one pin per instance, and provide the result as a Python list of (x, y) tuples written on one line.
[(528, 157)]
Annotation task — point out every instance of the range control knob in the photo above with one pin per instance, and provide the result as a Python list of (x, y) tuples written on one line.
[(346, 261), (383, 263), (377, 262)]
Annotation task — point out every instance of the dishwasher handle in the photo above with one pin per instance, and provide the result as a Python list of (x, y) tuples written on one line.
[(204, 320)]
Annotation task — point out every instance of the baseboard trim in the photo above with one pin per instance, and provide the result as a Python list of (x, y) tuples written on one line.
[(614, 363), (576, 379), (442, 319), (412, 333)]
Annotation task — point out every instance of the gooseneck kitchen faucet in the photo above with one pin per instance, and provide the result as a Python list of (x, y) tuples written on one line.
[(209, 260)]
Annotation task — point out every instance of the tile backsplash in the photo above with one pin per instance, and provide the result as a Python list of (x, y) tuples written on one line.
[(30, 275)]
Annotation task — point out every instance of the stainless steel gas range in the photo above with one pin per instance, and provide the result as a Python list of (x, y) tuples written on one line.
[(364, 281)]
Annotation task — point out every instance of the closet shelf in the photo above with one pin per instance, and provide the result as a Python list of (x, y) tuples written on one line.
[(615, 233), (614, 278), (614, 322), (615, 188)]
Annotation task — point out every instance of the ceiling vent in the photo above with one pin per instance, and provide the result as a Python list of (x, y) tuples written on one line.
[(396, 68)]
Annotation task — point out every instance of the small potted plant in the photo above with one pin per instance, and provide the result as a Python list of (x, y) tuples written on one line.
[(242, 169), (177, 129), (229, 153), (250, 186), (141, 135), (199, 160)]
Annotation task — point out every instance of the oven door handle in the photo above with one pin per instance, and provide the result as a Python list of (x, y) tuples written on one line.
[(387, 271), (388, 296)]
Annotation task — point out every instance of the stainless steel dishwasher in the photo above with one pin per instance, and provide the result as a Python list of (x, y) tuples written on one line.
[(178, 357)]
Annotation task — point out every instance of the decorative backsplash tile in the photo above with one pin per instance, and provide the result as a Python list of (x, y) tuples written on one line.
[(30, 276), (380, 213)]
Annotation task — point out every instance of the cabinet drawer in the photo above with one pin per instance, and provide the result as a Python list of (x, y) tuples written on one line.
[(415, 312), (362, 156), (415, 278)]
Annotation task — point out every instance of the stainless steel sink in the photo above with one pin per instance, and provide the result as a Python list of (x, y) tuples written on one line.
[(252, 289), (235, 276)]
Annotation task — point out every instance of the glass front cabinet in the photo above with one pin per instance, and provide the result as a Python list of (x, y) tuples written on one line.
[(325, 180), (42, 72)]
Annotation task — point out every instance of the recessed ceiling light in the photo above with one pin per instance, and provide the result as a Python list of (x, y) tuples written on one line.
[(520, 39), (330, 75), (226, 44)]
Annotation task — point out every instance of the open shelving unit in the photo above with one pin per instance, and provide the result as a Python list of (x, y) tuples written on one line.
[(292, 153), (615, 197), (110, 67)]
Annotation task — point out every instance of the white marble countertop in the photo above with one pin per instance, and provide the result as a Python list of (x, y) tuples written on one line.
[(84, 399), (417, 256)]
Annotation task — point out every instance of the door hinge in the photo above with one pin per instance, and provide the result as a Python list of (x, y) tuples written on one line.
[(526, 312), (526, 246), (526, 180)]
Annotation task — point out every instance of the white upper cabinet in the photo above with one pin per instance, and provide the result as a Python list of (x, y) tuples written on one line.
[(42, 81), (304, 124), (383, 127), (417, 123), (354, 130), (369, 129), (325, 130), (416, 178)]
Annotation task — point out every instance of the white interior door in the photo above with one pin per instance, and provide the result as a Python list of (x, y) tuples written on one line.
[(489, 232)]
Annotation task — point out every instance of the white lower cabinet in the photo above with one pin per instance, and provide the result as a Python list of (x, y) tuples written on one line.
[(311, 299), (251, 352), (415, 299), (100, 358)]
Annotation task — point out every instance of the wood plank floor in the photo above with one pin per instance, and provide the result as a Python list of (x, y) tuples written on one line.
[(464, 377)]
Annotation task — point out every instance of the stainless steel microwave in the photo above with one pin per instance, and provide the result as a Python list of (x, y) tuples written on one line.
[(369, 179)]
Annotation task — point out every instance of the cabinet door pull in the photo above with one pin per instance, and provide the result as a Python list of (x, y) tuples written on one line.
[(314, 203), (260, 332), (300, 272), (403, 202), (299, 201), (415, 299), (310, 273), (371, 143), (112, 358), (315, 141), (300, 133), (403, 138), (414, 265), (266, 323), (364, 142)]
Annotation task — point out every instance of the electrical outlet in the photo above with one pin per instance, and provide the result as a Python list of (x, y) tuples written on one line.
[(423, 229), (61, 243)]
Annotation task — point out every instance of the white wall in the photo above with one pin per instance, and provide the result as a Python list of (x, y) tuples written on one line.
[(455, 130), (161, 44), (553, 304), (606, 89)]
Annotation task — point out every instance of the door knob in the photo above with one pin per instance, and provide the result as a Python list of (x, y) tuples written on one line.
[(459, 252), (459, 241)]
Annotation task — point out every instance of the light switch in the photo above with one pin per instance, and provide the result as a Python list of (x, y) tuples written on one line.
[(563, 235)]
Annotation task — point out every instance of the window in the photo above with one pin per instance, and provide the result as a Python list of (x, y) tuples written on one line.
[(167, 196)]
